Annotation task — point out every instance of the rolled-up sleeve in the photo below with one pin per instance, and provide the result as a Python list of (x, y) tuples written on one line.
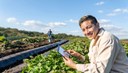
[(82, 67)]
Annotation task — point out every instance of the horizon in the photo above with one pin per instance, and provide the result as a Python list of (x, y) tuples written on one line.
[(53, 33), (62, 16)]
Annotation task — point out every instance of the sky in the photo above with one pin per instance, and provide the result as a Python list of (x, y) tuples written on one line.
[(62, 16)]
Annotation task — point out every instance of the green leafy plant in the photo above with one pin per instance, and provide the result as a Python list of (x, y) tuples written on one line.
[(54, 63)]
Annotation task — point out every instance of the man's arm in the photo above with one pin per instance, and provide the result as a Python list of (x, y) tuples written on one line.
[(107, 52)]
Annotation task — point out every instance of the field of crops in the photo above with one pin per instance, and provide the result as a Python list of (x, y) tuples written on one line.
[(53, 63), (8, 47), (13, 41)]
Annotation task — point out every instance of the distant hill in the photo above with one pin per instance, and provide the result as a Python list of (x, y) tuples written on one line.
[(15, 32), (124, 40), (12, 32)]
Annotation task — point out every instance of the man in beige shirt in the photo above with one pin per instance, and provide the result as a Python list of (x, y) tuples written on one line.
[(106, 54)]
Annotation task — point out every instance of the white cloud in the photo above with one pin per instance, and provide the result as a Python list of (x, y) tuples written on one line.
[(121, 10), (116, 30), (112, 28), (125, 10), (99, 3), (118, 11), (46, 26), (32, 23), (112, 14), (76, 32), (35, 25), (56, 24), (123, 34), (12, 20), (107, 25), (100, 11), (103, 21), (73, 21)]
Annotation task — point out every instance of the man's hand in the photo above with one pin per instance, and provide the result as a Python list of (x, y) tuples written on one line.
[(76, 54), (69, 62)]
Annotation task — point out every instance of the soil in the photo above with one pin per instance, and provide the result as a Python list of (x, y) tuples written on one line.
[(25, 47)]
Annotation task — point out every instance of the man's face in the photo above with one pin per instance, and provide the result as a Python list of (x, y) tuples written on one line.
[(89, 30)]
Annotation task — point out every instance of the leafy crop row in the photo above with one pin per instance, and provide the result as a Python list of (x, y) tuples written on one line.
[(53, 63)]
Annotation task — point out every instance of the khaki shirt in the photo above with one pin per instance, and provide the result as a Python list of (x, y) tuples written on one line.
[(106, 56)]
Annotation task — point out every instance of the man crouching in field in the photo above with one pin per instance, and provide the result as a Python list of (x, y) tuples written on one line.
[(106, 54)]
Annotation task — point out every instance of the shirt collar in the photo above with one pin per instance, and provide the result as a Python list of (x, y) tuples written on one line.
[(101, 32)]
